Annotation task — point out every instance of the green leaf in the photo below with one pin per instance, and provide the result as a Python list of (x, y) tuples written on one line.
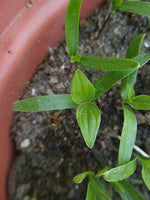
[(136, 181), (102, 171), (142, 59), (126, 191), (127, 85), (88, 117), (145, 169), (131, 79), (99, 188), (91, 194), (146, 175), (108, 80), (128, 136), (44, 103), (72, 26), (133, 51), (141, 102), (99, 197), (116, 3), (82, 90), (75, 58), (144, 160), (130, 91), (120, 173), (138, 7), (80, 177), (135, 46), (102, 84), (134, 0), (107, 63)]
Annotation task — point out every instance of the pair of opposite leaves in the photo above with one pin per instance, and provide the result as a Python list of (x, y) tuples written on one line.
[(88, 114)]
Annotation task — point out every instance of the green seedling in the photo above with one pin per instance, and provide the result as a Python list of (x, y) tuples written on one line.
[(96, 190), (83, 93)]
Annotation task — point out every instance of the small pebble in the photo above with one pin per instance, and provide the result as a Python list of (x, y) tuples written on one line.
[(76, 187), (65, 138), (62, 67), (58, 174), (34, 122), (33, 91), (25, 143), (51, 50), (147, 44)]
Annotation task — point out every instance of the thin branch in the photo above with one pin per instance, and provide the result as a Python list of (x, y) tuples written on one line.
[(110, 10), (102, 28)]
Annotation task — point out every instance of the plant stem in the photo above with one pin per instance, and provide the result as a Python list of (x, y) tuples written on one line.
[(69, 70), (138, 149), (104, 24)]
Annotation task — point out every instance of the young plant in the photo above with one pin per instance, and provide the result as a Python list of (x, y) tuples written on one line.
[(82, 96), (88, 115)]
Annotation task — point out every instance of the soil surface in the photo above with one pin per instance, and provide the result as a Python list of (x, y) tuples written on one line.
[(50, 148)]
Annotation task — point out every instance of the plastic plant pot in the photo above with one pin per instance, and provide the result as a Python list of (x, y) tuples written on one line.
[(27, 30)]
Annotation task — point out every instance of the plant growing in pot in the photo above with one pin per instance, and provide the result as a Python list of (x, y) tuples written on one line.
[(24, 42), (83, 92)]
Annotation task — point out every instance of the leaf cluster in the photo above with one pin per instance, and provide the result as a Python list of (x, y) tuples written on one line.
[(116, 177), (82, 96)]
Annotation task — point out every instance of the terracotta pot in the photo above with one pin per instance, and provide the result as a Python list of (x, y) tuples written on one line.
[(28, 29)]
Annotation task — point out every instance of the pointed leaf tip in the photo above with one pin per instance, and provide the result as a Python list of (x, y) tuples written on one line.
[(121, 172), (81, 176), (82, 90)]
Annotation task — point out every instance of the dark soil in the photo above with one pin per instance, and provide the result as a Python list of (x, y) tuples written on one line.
[(50, 148)]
